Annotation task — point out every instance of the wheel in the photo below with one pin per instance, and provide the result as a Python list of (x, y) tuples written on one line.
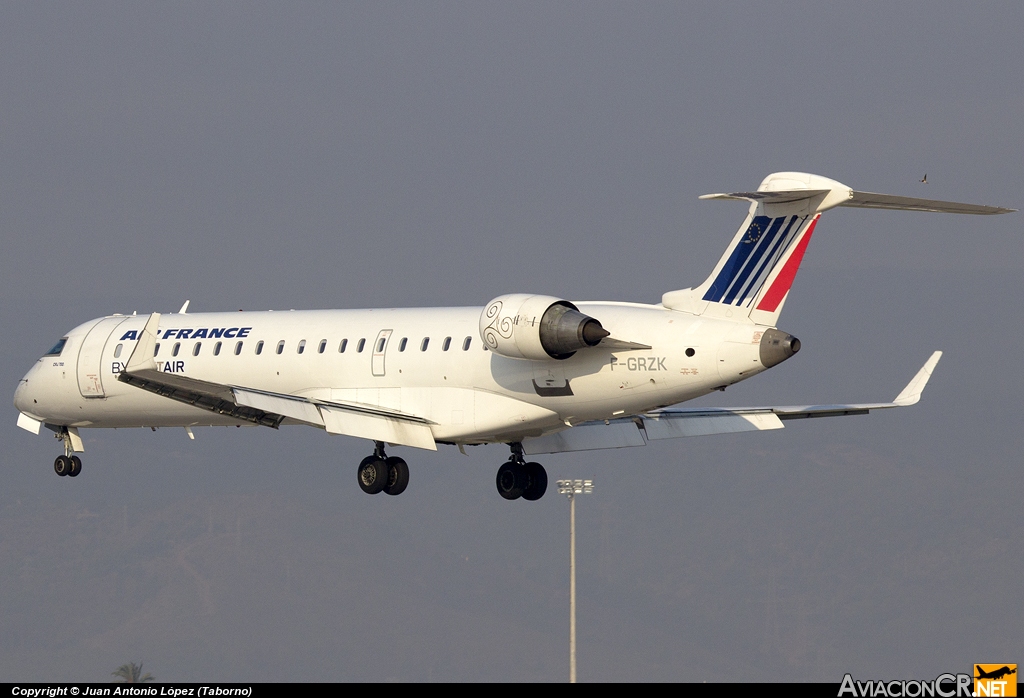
[(62, 466), (511, 480), (537, 479), (398, 476), (372, 474), (76, 466)]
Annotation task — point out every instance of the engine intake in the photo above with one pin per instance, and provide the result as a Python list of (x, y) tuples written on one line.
[(523, 326)]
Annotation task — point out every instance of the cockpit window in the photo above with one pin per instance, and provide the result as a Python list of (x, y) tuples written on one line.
[(57, 348)]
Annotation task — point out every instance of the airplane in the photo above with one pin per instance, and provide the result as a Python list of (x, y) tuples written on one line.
[(538, 373), (994, 674)]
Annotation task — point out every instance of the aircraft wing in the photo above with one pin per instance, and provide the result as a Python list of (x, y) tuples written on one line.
[(679, 422), (268, 408)]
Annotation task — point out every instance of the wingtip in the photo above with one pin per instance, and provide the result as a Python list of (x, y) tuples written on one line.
[(912, 393), (142, 356)]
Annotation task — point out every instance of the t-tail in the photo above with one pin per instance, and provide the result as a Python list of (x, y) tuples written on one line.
[(752, 280)]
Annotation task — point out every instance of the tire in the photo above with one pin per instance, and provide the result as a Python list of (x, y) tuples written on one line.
[(76, 466), (62, 466), (511, 480), (372, 475), (537, 479), (398, 476)]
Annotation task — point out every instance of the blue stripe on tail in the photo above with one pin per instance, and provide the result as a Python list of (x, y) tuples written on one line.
[(769, 261), (739, 256), (761, 246), (752, 260)]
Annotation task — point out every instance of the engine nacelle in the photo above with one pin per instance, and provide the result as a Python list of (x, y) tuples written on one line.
[(524, 326)]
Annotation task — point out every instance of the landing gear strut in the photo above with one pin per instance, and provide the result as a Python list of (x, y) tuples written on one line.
[(379, 473), (517, 478), (68, 464)]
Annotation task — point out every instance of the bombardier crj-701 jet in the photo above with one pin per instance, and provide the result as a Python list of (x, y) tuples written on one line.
[(538, 373)]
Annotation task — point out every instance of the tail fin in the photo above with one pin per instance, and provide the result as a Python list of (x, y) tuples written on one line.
[(753, 278)]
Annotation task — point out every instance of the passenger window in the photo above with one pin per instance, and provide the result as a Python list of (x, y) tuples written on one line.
[(259, 347), (174, 350), (359, 347), (156, 349), (342, 346), (59, 347), (238, 349), (323, 346), (447, 343), (466, 342), (424, 343), (195, 350), (216, 349), (380, 344), (117, 351), (302, 346), (401, 345), (280, 347)]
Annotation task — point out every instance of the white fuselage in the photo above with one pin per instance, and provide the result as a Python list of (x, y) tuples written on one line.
[(432, 364)]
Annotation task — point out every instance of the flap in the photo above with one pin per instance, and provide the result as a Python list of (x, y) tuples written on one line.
[(298, 409), (589, 436), (668, 425), (392, 430)]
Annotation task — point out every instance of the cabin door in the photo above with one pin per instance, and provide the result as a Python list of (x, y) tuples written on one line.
[(91, 356), (380, 346)]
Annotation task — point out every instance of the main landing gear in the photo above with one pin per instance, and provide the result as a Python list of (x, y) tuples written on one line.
[(68, 464), (378, 473), (517, 478)]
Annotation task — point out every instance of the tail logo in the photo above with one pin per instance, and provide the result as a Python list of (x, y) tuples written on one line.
[(766, 241), (784, 281)]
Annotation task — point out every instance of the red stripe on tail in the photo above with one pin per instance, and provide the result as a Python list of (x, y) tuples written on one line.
[(784, 280)]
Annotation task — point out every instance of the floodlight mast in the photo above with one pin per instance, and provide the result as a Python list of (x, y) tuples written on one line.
[(571, 488)]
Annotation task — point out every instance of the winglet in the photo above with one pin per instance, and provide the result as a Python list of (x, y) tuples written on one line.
[(142, 355), (912, 393)]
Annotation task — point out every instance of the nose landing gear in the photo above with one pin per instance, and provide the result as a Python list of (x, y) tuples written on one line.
[(69, 464), (379, 473), (517, 478)]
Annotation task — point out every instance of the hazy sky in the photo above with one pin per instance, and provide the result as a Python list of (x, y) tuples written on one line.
[(327, 155)]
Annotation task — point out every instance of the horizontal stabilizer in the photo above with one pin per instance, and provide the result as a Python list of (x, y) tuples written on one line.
[(866, 199), (862, 199), (770, 197)]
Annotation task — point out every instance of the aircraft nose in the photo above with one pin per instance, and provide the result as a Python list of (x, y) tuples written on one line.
[(26, 395), (21, 397)]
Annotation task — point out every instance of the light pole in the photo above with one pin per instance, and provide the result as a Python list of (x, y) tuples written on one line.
[(571, 488)]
